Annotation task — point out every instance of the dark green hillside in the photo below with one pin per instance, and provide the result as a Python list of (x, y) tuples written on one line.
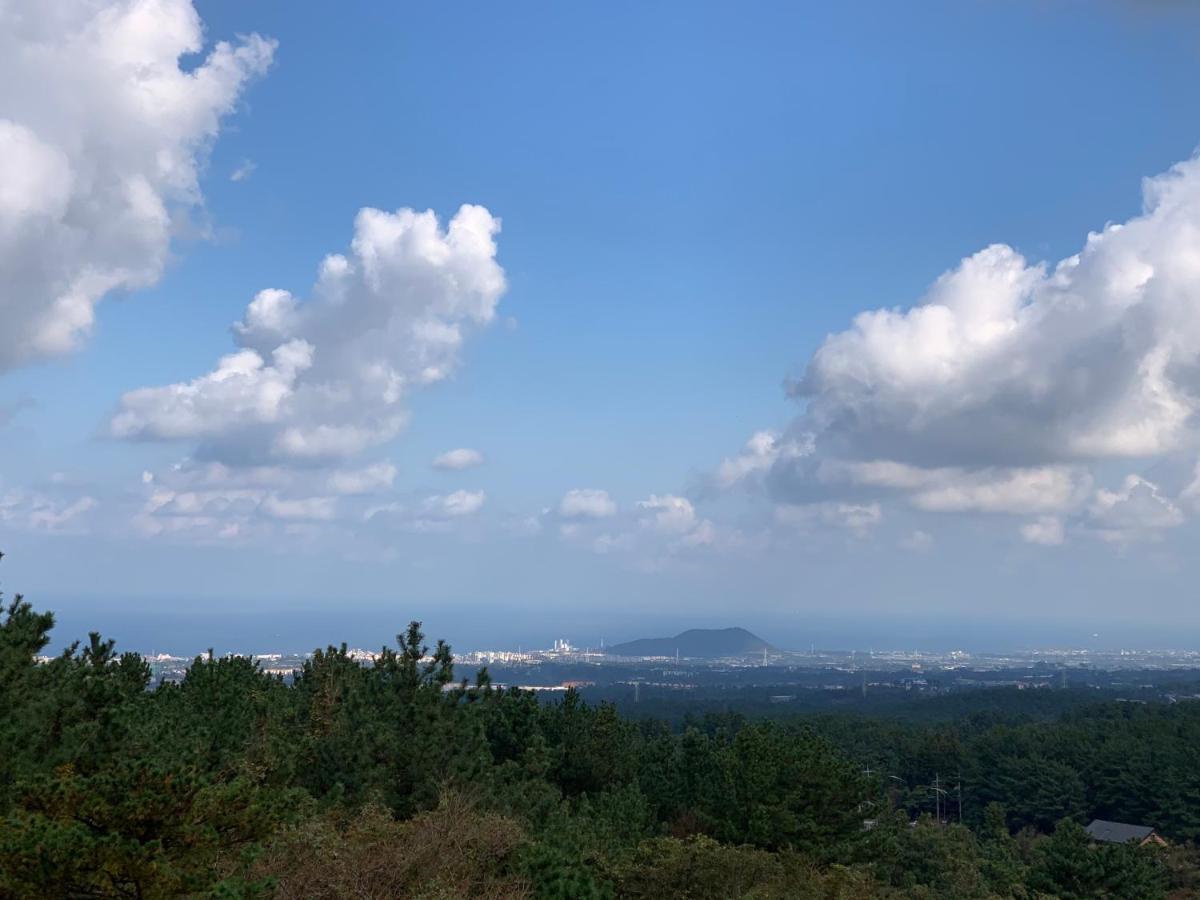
[(696, 643)]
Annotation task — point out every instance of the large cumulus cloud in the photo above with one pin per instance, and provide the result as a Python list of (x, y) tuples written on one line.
[(1012, 387), (1006, 363), (327, 377), (102, 138)]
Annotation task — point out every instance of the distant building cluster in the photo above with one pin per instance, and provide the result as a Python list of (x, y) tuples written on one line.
[(565, 665)]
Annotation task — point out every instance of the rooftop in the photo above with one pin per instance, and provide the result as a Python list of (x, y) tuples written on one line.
[(1118, 832)]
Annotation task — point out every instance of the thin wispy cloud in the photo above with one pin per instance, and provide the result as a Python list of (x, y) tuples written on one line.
[(458, 459), (243, 170)]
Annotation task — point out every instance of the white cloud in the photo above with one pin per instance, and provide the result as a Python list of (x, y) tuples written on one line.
[(35, 511), (917, 541), (527, 526), (453, 506), (367, 480), (656, 531), (668, 514), (1045, 530), (54, 518), (242, 389), (675, 519), (318, 508), (1015, 491), (243, 171), (1137, 511), (326, 378), (435, 514), (761, 452), (1006, 387), (214, 502), (102, 139), (461, 458), (586, 503), (1006, 363), (858, 518), (351, 510)]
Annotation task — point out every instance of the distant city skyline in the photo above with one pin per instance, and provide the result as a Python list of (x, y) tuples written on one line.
[(841, 322)]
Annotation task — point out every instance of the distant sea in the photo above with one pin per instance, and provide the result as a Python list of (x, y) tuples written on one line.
[(254, 627)]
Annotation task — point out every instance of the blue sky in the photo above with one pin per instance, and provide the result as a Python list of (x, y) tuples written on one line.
[(693, 197)]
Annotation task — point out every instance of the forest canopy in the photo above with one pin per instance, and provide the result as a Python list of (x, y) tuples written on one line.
[(395, 780)]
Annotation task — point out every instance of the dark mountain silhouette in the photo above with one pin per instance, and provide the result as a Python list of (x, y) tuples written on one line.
[(696, 642)]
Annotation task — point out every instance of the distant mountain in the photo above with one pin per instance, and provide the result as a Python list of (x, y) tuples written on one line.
[(704, 643)]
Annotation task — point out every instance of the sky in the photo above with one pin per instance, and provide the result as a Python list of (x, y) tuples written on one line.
[(849, 323)]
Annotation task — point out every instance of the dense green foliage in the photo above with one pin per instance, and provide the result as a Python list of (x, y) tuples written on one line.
[(1126, 762), (392, 780)]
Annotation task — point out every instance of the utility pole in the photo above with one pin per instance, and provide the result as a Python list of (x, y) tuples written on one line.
[(867, 772), (960, 798)]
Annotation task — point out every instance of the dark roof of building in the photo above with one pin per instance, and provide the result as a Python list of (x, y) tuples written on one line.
[(1118, 832)]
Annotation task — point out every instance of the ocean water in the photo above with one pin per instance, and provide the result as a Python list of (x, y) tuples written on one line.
[(188, 627)]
